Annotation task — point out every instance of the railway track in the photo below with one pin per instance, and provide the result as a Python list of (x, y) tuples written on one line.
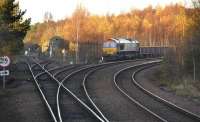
[(101, 92), (75, 88), (57, 117), (52, 111), (68, 97), (158, 107), (35, 74), (76, 91), (75, 82)]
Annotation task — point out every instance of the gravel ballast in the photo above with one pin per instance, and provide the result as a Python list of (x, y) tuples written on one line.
[(110, 101), (22, 104), (148, 81)]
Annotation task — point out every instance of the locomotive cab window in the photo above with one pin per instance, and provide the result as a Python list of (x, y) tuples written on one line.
[(121, 47)]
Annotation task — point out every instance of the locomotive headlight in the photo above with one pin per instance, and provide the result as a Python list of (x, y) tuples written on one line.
[(63, 51)]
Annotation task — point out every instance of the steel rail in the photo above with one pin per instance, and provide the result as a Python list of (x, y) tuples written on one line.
[(71, 93), (81, 102), (61, 71), (38, 75), (168, 103), (60, 84), (129, 97), (65, 68), (88, 96), (78, 99), (98, 65), (51, 69), (60, 67), (42, 73), (34, 65), (43, 96)]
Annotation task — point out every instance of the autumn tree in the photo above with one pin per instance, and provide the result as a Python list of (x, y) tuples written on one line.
[(159, 26), (193, 45), (152, 26)]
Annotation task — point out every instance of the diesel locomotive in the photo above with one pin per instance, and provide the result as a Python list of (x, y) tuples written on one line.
[(120, 49)]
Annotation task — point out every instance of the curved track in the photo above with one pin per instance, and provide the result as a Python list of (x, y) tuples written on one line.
[(57, 117), (73, 83), (101, 92), (74, 93), (157, 106)]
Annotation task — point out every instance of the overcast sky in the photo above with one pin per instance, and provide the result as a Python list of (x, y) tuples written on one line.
[(61, 9)]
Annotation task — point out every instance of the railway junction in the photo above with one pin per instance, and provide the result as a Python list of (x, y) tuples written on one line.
[(106, 92)]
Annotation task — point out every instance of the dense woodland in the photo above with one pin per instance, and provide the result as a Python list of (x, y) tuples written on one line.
[(173, 26), (151, 26)]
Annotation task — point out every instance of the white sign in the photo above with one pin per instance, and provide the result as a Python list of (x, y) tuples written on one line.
[(4, 73), (4, 61)]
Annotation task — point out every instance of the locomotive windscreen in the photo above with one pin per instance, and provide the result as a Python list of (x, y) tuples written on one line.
[(109, 45)]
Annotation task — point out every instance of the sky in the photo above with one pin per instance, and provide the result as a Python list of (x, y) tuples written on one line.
[(61, 9)]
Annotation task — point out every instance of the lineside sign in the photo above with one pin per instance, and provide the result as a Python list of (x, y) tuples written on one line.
[(4, 61), (4, 73)]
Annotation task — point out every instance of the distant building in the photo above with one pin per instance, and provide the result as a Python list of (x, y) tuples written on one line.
[(57, 42), (56, 45)]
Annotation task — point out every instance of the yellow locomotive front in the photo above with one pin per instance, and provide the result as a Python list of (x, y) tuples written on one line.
[(109, 48)]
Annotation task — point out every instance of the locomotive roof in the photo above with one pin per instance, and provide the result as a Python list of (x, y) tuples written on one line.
[(122, 40)]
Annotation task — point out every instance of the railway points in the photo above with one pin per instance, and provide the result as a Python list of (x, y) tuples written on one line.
[(88, 93)]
